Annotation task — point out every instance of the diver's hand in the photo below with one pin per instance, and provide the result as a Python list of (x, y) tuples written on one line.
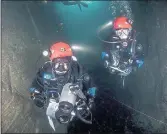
[(37, 97), (104, 55), (33, 92), (139, 62), (77, 91), (92, 92), (38, 100)]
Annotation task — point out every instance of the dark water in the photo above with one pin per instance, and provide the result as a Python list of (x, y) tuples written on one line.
[(140, 105)]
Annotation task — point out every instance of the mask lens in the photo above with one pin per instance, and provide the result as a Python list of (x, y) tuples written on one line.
[(118, 32), (122, 33), (65, 66), (61, 67), (56, 65)]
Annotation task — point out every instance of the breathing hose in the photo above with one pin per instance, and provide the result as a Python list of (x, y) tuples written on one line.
[(104, 27), (81, 118)]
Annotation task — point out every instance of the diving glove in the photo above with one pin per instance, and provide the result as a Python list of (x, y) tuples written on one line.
[(37, 97), (92, 91), (139, 63)]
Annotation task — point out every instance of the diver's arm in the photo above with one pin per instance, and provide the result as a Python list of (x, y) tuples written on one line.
[(88, 85), (106, 50), (138, 58), (89, 89), (92, 88), (36, 91), (37, 86), (84, 78), (38, 81)]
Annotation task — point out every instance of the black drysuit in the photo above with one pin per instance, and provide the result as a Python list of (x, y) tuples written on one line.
[(47, 78)]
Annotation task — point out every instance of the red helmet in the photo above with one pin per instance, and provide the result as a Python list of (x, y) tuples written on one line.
[(122, 23), (60, 50)]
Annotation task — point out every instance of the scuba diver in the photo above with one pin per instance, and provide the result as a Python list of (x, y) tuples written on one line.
[(54, 77), (122, 53), (79, 3)]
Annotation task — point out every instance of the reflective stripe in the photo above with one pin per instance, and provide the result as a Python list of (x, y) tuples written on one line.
[(47, 76), (92, 91)]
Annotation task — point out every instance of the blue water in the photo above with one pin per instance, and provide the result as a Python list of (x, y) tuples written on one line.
[(80, 27)]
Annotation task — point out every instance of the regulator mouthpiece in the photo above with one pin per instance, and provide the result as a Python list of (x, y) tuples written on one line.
[(45, 53)]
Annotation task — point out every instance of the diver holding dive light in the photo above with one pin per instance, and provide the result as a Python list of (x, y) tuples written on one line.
[(63, 82), (122, 53)]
